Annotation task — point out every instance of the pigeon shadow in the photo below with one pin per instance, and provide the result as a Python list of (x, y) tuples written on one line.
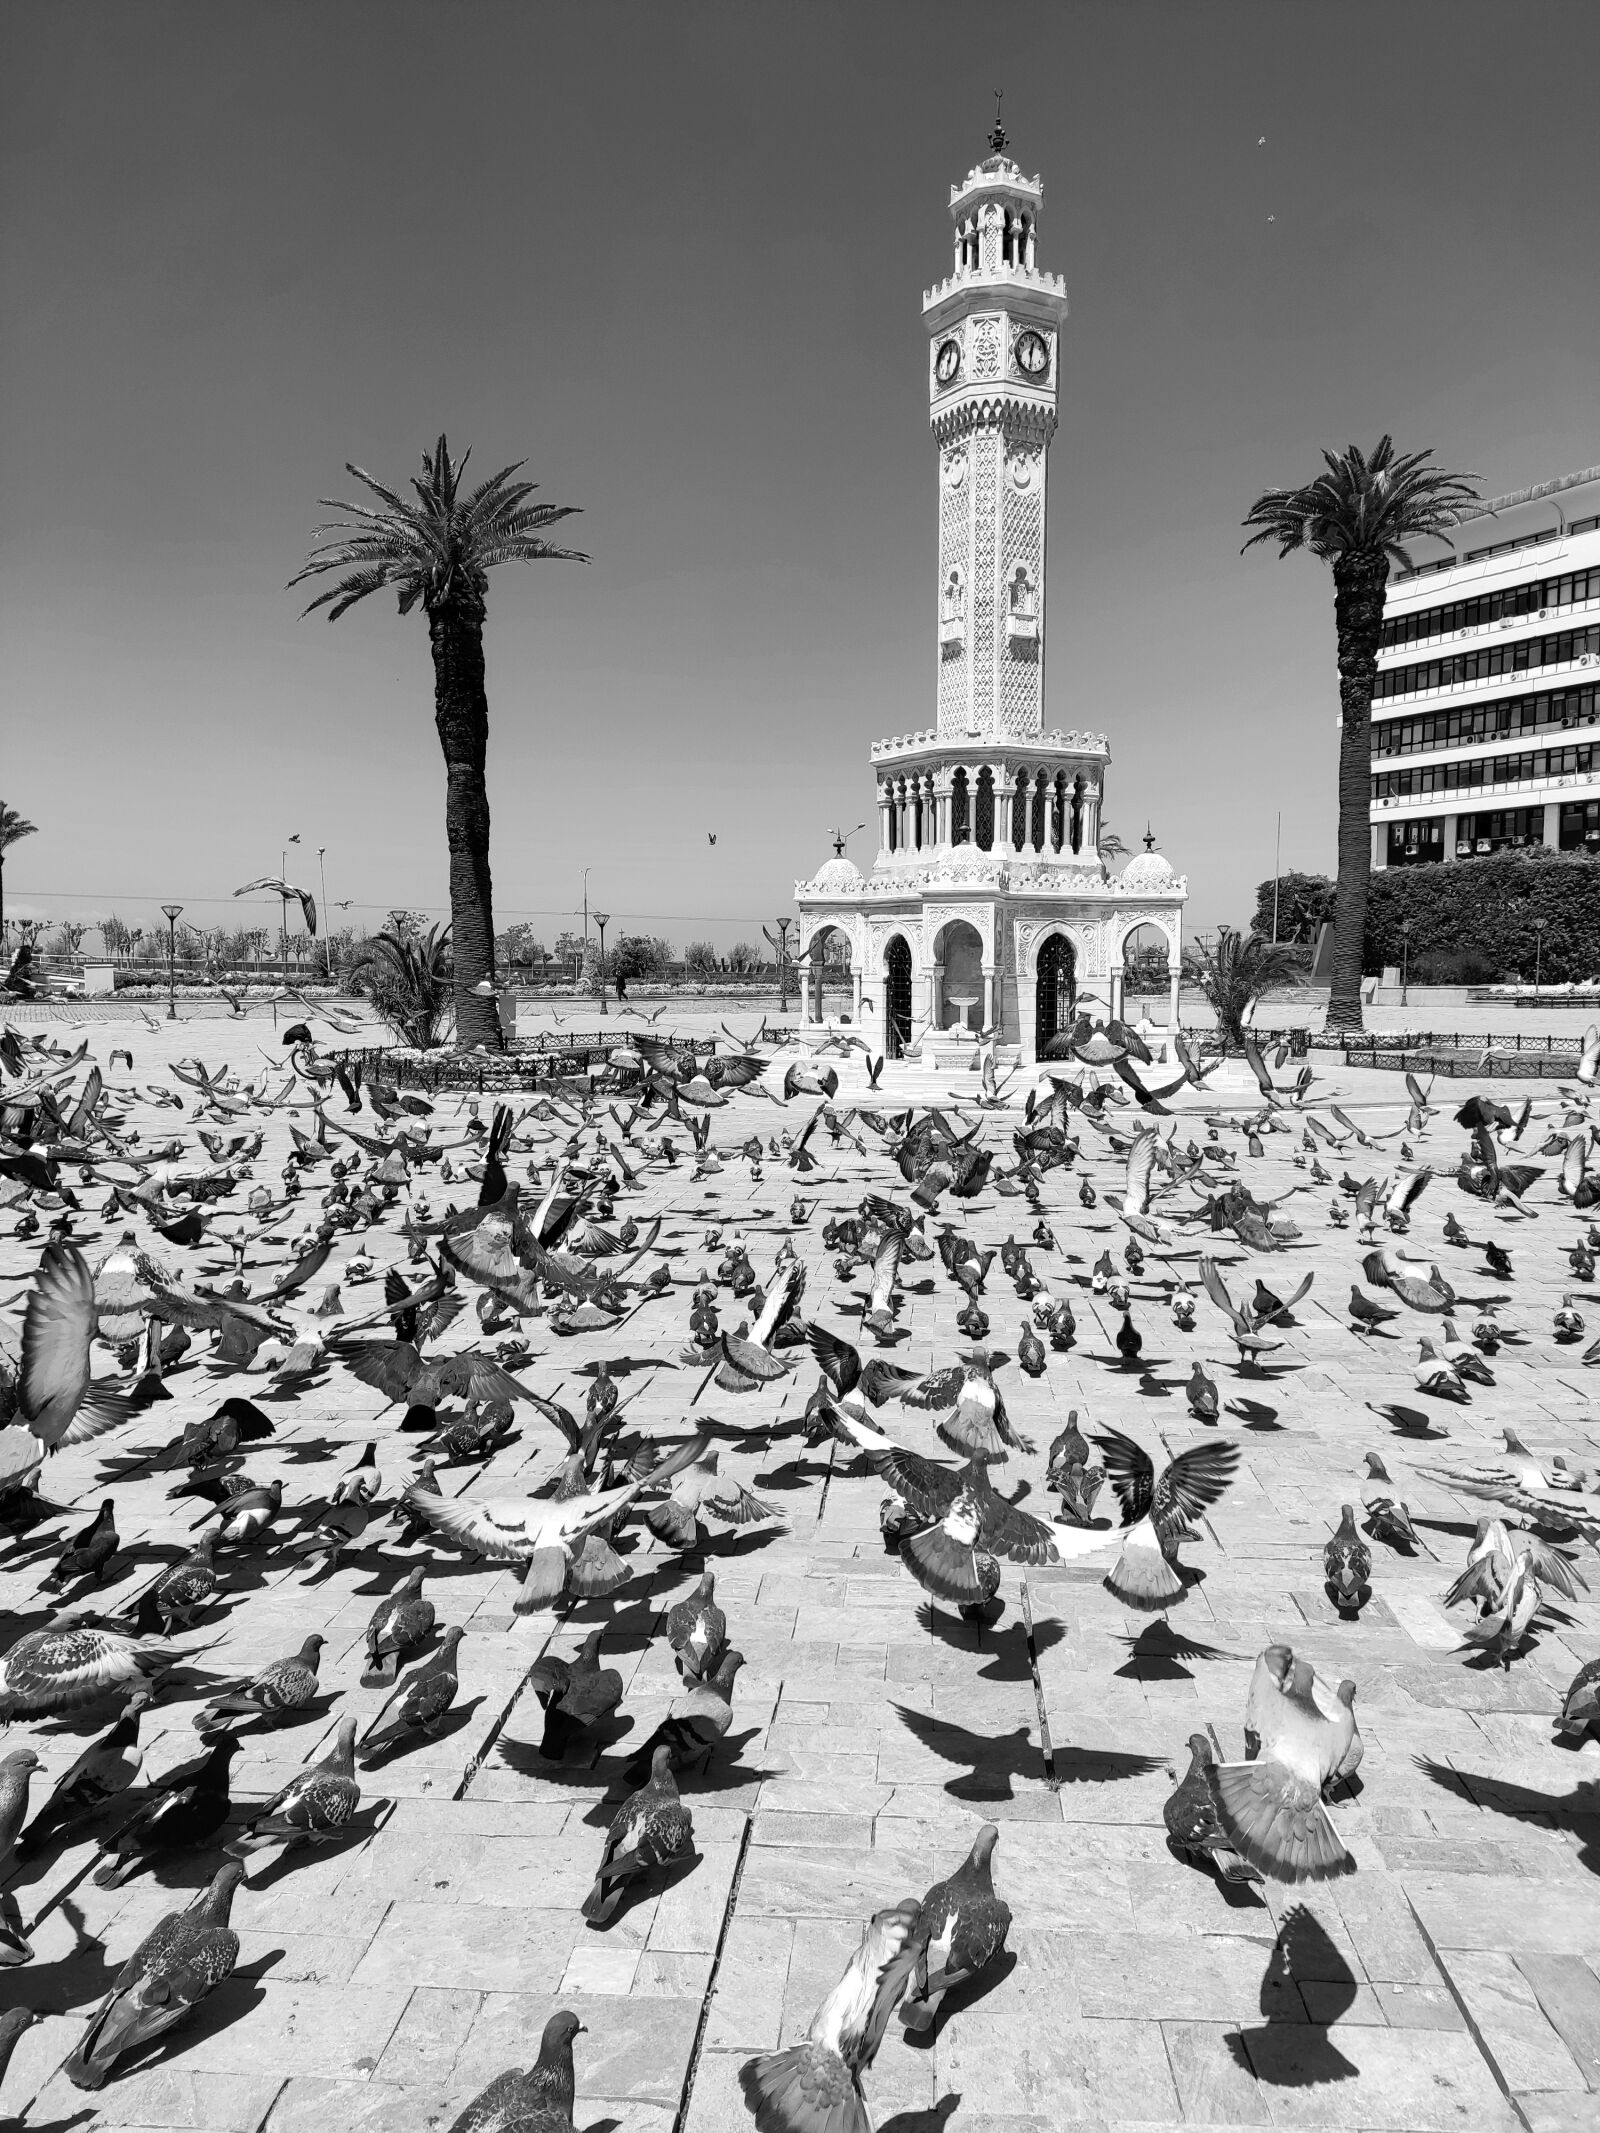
[(1577, 1813), (1009, 1659), (1254, 1414), (1308, 1985), (76, 1979), (1157, 1653), (960, 1997), (991, 1764), (935, 2120)]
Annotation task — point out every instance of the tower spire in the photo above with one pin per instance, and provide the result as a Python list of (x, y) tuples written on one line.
[(997, 139)]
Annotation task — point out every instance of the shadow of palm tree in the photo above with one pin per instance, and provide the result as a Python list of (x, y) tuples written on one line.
[(1308, 1985)]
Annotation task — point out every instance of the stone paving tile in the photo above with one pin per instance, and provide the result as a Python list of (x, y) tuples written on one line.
[(383, 1982)]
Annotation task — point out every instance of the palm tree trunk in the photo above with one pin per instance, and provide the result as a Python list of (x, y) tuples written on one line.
[(461, 714), (1358, 583)]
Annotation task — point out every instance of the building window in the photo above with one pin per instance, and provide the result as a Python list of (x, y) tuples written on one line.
[(1500, 829), (1572, 589), (1472, 724), (1416, 843), (1580, 826), (1557, 649), (960, 822)]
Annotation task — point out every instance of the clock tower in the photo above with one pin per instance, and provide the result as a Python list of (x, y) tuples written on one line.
[(989, 902), (994, 333)]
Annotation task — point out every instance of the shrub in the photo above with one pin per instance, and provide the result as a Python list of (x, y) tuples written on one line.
[(1478, 914), (1304, 901), (409, 979), (1242, 969)]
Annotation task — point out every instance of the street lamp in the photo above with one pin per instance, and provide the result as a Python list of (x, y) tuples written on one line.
[(172, 913), (1405, 957), (327, 945), (1539, 925), (602, 919)]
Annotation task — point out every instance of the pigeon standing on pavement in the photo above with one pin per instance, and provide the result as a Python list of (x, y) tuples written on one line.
[(105, 1770), (1347, 1564), (314, 1807), (697, 1631), (575, 1695), (185, 1957), (695, 1722), (650, 1828), (186, 1808), (1193, 1823), (417, 1705), (966, 1925), (398, 1626), (275, 1694), (15, 1771), (538, 2101)]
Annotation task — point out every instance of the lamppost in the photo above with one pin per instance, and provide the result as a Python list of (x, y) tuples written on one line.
[(1539, 925), (327, 945), (780, 941), (1405, 957), (172, 913), (602, 919)]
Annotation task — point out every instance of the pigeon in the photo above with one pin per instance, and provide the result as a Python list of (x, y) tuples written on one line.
[(186, 1808), (1156, 1512), (697, 1631), (698, 1490), (104, 1771), (694, 1723), (538, 2101), (1193, 1824), (13, 2023), (1580, 1707), (979, 1424), (1388, 1519), (57, 1395), (88, 1553), (1365, 1315), (398, 1626), (76, 1661), (417, 1705), (575, 1696), (274, 1695), (313, 1808), (179, 1594), (1201, 1392), (1072, 1471), (815, 2086), (15, 1771), (1503, 1621), (1347, 1563), (965, 1924), (187, 1955), (1271, 1808), (651, 1827), (1130, 1341)]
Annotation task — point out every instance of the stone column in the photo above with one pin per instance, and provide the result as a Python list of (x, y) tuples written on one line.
[(936, 997), (1174, 975), (1114, 989), (802, 970), (941, 808), (885, 802), (988, 996), (1091, 819), (855, 995)]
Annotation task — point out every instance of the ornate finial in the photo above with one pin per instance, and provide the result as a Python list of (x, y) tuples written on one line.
[(997, 139), (1149, 841)]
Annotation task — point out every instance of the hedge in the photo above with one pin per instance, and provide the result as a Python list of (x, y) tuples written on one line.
[(1477, 915)]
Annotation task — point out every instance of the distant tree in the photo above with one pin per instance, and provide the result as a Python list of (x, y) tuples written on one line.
[(1305, 901), (1358, 517), (436, 551), (1111, 845), (569, 949), (639, 955), (700, 959), (743, 957), (115, 935)]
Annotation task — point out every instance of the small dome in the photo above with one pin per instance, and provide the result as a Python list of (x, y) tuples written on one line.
[(838, 873), (1147, 870)]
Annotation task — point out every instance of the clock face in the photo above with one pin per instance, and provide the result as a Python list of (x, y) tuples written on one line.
[(947, 362), (1033, 354)]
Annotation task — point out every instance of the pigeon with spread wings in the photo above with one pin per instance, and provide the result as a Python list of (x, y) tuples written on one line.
[(1156, 1511)]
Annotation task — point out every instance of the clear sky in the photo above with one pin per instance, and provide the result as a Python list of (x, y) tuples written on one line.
[(673, 256)]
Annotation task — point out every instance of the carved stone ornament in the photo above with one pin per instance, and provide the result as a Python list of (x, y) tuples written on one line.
[(954, 469)]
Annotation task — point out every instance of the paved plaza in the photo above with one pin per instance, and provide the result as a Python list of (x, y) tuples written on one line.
[(1452, 1981)]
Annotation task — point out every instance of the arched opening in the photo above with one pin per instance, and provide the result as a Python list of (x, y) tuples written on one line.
[(894, 817), (959, 952), (1055, 991), (897, 996), (960, 813), (1077, 814), (828, 977), (983, 835), (1145, 977), (1019, 815), (1058, 812), (1038, 812)]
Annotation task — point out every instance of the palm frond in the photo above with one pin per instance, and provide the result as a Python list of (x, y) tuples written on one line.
[(1372, 506)]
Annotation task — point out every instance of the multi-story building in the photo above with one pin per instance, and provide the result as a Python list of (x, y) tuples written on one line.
[(1486, 715)]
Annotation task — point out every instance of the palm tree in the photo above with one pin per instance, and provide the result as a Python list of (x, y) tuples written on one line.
[(12, 831), (1233, 976), (1358, 517), (439, 551)]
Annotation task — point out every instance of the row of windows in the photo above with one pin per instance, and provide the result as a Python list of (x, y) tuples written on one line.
[(1484, 770), (1559, 646), (1506, 717), (1569, 590), (1421, 842), (1523, 540)]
